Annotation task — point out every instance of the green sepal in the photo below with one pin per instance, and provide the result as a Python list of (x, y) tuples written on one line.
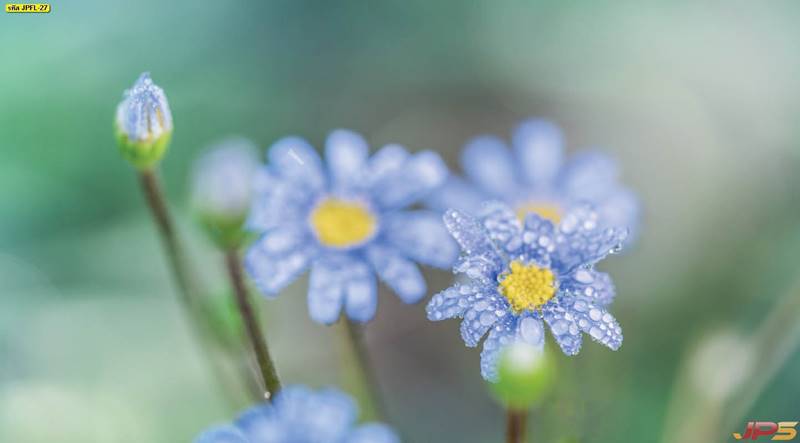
[(523, 383), (143, 154)]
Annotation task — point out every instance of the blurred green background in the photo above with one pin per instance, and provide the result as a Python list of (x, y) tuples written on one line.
[(698, 101)]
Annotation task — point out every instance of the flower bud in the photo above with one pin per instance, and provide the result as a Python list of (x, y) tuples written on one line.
[(525, 376), (143, 123), (222, 189)]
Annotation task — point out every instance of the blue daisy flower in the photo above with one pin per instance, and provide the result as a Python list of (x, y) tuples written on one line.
[(347, 222), (300, 415), (534, 177), (521, 275)]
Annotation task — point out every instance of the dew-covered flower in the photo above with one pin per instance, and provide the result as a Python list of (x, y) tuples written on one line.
[(347, 221), (143, 123), (534, 176), (222, 188), (524, 274), (300, 415)]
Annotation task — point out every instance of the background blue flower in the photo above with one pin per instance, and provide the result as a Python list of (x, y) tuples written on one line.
[(534, 176), (347, 223), (521, 275), (300, 415)]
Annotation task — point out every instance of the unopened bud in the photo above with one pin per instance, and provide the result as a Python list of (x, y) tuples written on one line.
[(525, 376), (222, 189), (143, 123)]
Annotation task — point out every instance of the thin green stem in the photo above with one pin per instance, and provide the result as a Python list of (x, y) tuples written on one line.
[(189, 295), (361, 374), (269, 376), (516, 421)]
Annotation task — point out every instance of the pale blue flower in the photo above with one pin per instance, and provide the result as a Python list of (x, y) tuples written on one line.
[(347, 220), (300, 415), (535, 176), (222, 179), (522, 275), (143, 115)]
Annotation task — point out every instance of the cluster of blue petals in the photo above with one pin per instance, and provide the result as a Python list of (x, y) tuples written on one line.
[(344, 279), (495, 238), (300, 415), (535, 170)]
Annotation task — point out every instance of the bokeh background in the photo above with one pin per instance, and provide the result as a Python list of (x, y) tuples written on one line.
[(700, 102)]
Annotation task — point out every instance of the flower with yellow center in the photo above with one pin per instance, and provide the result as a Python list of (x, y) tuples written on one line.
[(549, 211), (527, 287), (341, 223)]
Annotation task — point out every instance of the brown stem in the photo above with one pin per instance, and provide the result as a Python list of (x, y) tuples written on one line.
[(515, 426), (189, 295), (269, 377)]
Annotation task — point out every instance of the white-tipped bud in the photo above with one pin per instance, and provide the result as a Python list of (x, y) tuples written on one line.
[(222, 187), (143, 123)]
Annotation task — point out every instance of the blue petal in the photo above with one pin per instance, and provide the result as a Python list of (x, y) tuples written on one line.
[(416, 179), (361, 293), (222, 434), (422, 236), (384, 163), (372, 433), (326, 415), (487, 310), (563, 327), (469, 234), (539, 237), (277, 259), (339, 280), (539, 148), (326, 291), (581, 241), (483, 268), (456, 193), (620, 208), (530, 330), (276, 201), (454, 301), (590, 176), (593, 320), (595, 286), (293, 159), (502, 226), (502, 335), (346, 155), (261, 424), (487, 162), (399, 273)]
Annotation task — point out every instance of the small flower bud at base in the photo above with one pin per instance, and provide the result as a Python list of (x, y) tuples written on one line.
[(525, 376)]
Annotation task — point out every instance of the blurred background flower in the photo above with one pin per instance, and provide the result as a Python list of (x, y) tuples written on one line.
[(697, 102), (299, 414), (535, 177), (346, 219)]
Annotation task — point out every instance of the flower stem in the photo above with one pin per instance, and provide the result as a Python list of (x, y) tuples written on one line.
[(361, 374), (269, 377), (515, 425), (189, 296)]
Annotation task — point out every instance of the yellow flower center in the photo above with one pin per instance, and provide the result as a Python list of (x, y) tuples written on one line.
[(342, 223), (527, 286), (550, 211)]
